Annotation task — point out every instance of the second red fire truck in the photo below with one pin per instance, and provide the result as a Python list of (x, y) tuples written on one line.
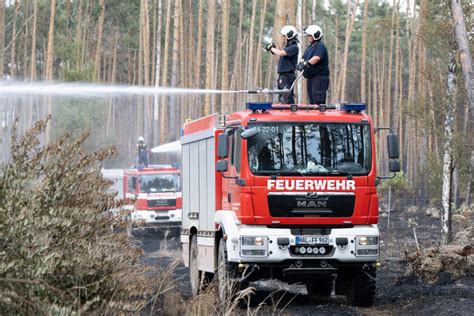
[(157, 194)]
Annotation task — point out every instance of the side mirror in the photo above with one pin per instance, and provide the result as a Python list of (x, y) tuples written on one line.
[(222, 165), (394, 165), (249, 133), (392, 145), (223, 145)]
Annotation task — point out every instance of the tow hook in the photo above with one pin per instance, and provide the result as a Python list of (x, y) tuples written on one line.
[(242, 267)]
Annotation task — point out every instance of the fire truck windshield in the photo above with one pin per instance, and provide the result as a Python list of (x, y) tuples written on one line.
[(301, 149), (152, 183)]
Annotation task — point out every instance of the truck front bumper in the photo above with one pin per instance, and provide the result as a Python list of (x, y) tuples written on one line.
[(257, 244), (170, 218)]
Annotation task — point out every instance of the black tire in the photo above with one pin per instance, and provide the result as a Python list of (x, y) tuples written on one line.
[(227, 275), (358, 285), (194, 273), (320, 289)]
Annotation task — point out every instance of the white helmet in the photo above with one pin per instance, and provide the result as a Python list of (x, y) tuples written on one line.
[(315, 31), (141, 139), (289, 31)]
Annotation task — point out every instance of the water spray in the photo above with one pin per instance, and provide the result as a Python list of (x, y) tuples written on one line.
[(18, 88)]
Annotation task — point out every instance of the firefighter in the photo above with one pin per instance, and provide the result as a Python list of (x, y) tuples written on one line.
[(287, 62), (142, 152), (315, 65)]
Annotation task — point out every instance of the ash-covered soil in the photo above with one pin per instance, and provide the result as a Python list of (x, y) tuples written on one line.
[(398, 291)]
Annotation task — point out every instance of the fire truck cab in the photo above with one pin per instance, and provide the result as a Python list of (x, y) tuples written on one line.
[(285, 192), (157, 194)]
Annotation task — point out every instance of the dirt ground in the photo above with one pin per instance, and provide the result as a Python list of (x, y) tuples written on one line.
[(398, 292)]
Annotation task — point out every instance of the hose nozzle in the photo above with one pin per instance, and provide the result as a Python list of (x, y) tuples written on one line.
[(266, 91)]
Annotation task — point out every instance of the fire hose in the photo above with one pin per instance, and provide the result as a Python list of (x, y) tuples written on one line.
[(269, 91)]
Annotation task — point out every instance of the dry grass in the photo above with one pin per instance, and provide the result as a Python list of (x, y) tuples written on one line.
[(207, 302)]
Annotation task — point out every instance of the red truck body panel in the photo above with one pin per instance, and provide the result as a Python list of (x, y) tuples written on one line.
[(250, 201)]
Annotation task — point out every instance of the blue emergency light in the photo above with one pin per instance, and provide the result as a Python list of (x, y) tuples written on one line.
[(354, 107), (259, 106)]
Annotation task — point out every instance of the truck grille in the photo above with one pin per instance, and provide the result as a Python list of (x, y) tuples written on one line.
[(311, 204), (161, 202)]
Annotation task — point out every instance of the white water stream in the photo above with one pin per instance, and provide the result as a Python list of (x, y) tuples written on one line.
[(18, 88), (173, 147)]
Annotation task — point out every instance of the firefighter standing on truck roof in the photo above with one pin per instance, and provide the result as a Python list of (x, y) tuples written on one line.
[(142, 152), (287, 62), (315, 65)]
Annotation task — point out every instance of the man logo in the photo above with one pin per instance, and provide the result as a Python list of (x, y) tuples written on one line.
[(312, 204), (311, 195)]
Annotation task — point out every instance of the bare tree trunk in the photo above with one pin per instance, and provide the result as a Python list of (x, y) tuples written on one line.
[(335, 74), (197, 71), (364, 52), (257, 78), (50, 48), (174, 67), (2, 34), (351, 13), (164, 116), (225, 54), (78, 29), (100, 35), (251, 69), (13, 63), (164, 76), (33, 43), (146, 44), (446, 223), (283, 15), (210, 51), (26, 41), (238, 55), (157, 72), (395, 106), (281, 19), (467, 70), (49, 64), (388, 89)]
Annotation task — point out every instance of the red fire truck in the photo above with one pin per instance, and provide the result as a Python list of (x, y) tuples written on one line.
[(285, 192), (157, 194)]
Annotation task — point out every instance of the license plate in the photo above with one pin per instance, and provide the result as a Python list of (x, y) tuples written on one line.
[(312, 240)]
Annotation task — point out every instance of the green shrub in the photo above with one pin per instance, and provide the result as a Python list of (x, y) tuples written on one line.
[(58, 253), (399, 184)]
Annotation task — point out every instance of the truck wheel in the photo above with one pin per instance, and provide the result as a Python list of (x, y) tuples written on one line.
[(194, 274), (226, 272), (358, 285), (320, 289)]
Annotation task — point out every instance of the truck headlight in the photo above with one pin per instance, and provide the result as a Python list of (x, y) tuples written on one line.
[(368, 241), (253, 241), (256, 246), (367, 245)]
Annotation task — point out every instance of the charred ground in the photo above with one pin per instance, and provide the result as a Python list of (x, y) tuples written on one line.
[(398, 290)]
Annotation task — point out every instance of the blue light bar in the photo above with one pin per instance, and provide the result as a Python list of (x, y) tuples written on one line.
[(255, 106), (354, 107)]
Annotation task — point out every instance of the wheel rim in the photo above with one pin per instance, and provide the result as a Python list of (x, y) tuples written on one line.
[(194, 271)]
